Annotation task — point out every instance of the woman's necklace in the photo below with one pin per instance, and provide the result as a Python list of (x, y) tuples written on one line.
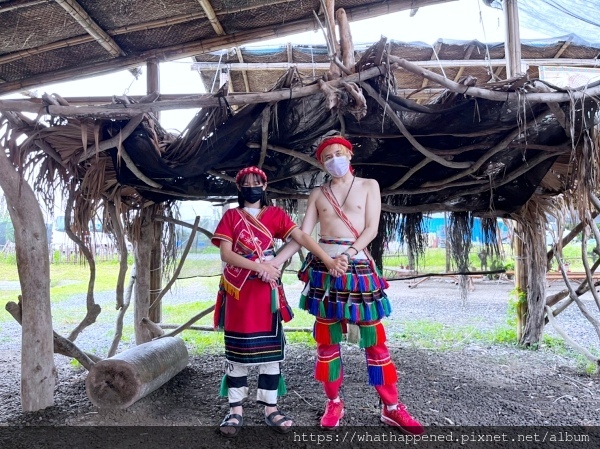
[(350, 188)]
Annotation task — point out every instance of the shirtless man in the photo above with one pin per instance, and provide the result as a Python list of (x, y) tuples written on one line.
[(348, 209)]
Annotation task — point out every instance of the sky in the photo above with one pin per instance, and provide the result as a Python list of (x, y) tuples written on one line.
[(458, 20)]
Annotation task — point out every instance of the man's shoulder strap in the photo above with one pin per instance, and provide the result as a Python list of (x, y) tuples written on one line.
[(338, 210)]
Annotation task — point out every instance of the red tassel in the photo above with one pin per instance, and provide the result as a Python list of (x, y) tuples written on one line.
[(390, 375), (381, 337), (321, 372), (321, 333)]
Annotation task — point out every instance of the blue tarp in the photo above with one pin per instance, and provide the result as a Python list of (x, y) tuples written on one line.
[(560, 17)]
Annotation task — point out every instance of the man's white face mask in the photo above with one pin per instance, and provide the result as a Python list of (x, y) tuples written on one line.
[(337, 166)]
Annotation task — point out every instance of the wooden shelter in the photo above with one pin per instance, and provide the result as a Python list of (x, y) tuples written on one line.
[(442, 129)]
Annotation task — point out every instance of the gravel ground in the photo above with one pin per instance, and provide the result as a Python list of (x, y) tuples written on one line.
[(436, 300), (468, 382)]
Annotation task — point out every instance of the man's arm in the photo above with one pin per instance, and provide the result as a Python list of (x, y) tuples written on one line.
[(308, 224), (335, 266), (372, 216)]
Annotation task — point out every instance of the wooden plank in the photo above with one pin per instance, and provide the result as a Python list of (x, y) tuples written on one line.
[(244, 72)]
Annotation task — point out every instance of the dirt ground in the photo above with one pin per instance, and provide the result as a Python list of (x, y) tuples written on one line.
[(471, 387), (472, 384)]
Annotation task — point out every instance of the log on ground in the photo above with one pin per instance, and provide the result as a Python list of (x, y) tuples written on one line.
[(121, 380)]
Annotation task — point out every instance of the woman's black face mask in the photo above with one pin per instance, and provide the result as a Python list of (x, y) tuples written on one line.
[(252, 194)]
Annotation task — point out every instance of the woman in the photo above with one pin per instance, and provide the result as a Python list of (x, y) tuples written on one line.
[(251, 303)]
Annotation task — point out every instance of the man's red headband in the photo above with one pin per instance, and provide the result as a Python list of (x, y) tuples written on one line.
[(250, 170), (332, 141)]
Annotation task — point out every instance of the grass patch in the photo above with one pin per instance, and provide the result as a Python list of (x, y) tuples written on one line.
[(199, 342), (437, 336), (432, 335), (180, 313)]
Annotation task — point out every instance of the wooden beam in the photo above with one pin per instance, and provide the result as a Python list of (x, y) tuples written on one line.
[(103, 100), (512, 43), (572, 94), (564, 47), (212, 18), (467, 56), (206, 100), (153, 80), (434, 58), (128, 110), (244, 72)]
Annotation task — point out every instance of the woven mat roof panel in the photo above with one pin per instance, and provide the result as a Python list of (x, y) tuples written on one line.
[(120, 13), (52, 61), (22, 27), (133, 32), (175, 34), (308, 55), (245, 20)]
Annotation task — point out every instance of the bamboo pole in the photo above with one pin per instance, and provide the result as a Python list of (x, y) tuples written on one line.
[(512, 43), (520, 279), (212, 18), (244, 73), (153, 80), (90, 25)]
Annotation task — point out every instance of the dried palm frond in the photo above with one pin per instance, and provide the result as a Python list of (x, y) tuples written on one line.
[(460, 237), (489, 231), (533, 224), (413, 232)]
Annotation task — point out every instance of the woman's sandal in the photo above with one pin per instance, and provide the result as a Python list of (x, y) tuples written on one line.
[(276, 425), (227, 425)]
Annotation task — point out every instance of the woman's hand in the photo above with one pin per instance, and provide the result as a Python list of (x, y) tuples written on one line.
[(267, 272)]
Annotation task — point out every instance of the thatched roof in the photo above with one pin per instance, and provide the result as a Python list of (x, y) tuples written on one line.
[(467, 145), (44, 41), (458, 153)]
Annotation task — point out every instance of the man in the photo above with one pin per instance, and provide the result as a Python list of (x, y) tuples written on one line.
[(348, 210)]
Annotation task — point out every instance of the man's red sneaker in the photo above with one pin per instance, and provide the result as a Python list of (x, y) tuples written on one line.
[(334, 412), (400, 417)]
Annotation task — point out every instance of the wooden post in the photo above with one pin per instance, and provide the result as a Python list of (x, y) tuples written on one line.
[(446, 242), (512, 44), (153, 80), (33, 265), (155, 312), (142, 252), (520, 278)]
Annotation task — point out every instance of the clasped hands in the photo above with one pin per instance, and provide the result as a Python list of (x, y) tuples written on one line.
[(268, 272), (340, 265)]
